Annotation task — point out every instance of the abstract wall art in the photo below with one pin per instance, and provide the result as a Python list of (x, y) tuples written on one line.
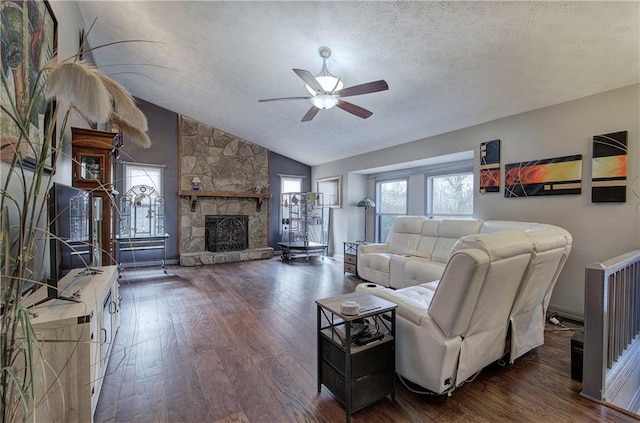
[(556, 176), (609, 168), (490, 166), (29, 41)]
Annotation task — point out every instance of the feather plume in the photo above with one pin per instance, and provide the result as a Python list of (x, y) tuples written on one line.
[(125, 104), (79, 84), (133, 134)]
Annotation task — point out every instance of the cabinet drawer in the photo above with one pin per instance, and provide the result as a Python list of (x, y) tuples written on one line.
[(364, 391), (364, 362), (350, 268), (350, 258)]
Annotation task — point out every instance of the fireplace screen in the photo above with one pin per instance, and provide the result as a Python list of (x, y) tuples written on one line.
[(226, 233)]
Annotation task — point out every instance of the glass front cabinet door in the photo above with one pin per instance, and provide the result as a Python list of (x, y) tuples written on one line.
[(92, 167)]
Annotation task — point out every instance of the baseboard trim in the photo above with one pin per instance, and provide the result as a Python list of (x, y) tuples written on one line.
[(566, 314)]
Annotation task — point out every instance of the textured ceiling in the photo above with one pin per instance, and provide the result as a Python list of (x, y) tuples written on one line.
[(449, 65)]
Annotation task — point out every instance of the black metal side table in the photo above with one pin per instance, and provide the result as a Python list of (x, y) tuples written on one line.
[(357, 370)]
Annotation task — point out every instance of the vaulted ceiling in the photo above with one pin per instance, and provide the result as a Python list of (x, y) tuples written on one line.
[(449, 65)]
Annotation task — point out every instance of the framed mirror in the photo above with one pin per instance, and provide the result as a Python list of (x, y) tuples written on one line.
[(332, 189)]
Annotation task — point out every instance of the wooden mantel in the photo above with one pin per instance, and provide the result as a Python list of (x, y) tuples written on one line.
[(195, 194)]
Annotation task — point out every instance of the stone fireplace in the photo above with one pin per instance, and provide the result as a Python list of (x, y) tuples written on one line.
[(232, 171)]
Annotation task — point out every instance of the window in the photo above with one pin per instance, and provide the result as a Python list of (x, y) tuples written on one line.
[(141, 211), (142, 174), (288, 184), (391, 202), (442, 188), (450, 195)]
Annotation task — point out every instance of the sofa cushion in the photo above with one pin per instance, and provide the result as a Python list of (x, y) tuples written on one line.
[(399, 243), (374, 267), (547, 237), (408, 224), (428, 238), (433, 285), (454, 299), (456, 228), (417, 272), (412, 301), (449, 231), (496, 245), (405, 233)]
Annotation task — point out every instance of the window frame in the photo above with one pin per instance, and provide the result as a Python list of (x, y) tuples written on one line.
[(378, 215), (444, 171), (283, 179), (127, 166), (156, 182)]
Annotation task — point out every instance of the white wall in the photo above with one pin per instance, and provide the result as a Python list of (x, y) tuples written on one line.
[(69, 24), (355, 231), (600, 231)]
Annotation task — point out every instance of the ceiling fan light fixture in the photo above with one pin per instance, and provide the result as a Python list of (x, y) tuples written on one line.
[(324, 101), (329, 83), (326, 91)]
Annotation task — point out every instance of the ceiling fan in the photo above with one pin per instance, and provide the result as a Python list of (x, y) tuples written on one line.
[(327, 90)]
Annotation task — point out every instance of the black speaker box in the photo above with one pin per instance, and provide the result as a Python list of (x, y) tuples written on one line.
[(577, 351)]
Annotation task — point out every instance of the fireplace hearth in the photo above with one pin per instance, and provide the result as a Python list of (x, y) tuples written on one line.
[(226, 233)]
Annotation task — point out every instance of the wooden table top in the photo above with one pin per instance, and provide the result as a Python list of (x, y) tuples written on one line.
[(364, 299)]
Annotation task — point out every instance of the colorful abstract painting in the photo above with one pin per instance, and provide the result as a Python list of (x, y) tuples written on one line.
[(556, 176), (29, 40), (609, 168), (490, 166)]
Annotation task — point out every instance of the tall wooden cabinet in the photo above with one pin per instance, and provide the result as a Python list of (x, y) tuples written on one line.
[(93, 171)]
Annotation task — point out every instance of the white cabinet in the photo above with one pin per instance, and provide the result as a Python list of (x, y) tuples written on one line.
[(75, 340)]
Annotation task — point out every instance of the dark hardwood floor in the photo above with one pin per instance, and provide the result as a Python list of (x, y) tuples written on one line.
[(237, 343)]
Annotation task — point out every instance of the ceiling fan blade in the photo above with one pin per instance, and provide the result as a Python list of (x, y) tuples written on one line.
[(369, 87), (353, 109), (313, 111), (284, 98), (309, 79)]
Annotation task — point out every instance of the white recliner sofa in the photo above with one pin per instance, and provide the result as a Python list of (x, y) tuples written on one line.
[(495, 286), (414, 241)]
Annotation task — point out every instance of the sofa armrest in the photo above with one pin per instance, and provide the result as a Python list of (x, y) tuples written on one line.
[(373, 248), (396, 270)]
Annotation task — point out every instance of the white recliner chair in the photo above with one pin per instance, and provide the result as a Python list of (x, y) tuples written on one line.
[(446, 335), (551, 248)]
